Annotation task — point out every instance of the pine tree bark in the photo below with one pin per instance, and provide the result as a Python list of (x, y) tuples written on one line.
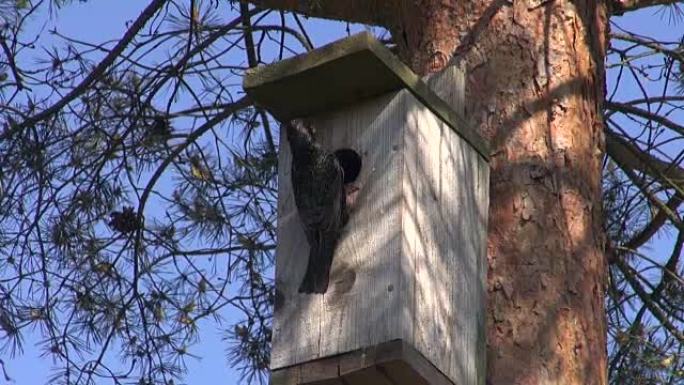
[(535, 84)]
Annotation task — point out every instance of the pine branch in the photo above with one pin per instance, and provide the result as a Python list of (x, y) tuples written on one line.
[(668, 174), (654, 225), (373, 12), (632, 278), (95, 74), (631, 110), (618, 7)]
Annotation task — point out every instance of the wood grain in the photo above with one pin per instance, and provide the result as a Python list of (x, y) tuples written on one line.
[(390, 363), (410, 264)]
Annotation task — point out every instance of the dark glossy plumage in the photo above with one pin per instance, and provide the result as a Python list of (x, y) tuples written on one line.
[(318, 187)]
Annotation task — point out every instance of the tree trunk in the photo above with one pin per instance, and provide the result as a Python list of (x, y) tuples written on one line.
[(535, 86), (535, 89)]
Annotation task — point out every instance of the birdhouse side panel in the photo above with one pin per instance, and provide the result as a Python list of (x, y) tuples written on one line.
[(449, 85), (444, 227), (360, 306)]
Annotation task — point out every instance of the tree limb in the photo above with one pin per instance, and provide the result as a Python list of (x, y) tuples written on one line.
[(629, 158), (666, 99), (632, 110), (652, 306), (96, 73), (196, 134), (12, 64), (652, 44), (374, 12), (250, 49), (671, 214), (632, 157), (654, 225), (618, 7)]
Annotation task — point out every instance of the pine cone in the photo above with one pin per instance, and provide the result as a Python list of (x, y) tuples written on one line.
[(125, 221)]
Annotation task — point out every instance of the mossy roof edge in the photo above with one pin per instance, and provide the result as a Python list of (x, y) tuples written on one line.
[(343, 73)]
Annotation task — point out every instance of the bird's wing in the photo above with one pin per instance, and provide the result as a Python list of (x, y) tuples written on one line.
[(319, 193)]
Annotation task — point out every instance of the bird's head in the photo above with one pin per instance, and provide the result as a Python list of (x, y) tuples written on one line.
[(300, 135), (300, 130)]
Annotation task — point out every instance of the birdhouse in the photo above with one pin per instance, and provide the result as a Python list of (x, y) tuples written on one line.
[(405, 300)]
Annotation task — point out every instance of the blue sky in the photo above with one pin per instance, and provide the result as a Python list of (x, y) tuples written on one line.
[(98, 21)]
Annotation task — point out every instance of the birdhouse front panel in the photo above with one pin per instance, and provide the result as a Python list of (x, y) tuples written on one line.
[(409, 263), (359, 307)]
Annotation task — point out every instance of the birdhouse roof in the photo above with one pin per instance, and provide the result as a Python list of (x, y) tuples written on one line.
[(343, 73)]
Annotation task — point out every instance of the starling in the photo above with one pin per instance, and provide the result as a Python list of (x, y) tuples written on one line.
[(318, 186)]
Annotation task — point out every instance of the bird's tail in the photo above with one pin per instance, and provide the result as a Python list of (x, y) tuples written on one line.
[(317, 273)]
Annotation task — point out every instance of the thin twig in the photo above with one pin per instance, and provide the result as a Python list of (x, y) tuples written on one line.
[(95, 74)]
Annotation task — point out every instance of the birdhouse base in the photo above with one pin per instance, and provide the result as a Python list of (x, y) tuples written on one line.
[(390, 363)]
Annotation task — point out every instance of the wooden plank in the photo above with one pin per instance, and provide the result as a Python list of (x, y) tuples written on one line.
[(291, 321), (319, 371), (470, 184), (370, 356), (436, 104), (443, 244), (453, 178), (367, 376), (449, 85), (334, 381), (482, 214), (361, 305), (352, 69), (429, 269), (283, 377), (349, 68), (401, 373), (391, 363), (363, 314), (424, 369)]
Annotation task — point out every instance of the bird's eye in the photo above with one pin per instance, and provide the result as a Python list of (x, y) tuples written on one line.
[(351, 163)]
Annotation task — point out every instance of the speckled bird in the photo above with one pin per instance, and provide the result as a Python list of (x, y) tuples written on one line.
[(318, 187)]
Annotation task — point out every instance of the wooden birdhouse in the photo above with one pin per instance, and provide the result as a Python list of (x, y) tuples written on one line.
[(406, 296)]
